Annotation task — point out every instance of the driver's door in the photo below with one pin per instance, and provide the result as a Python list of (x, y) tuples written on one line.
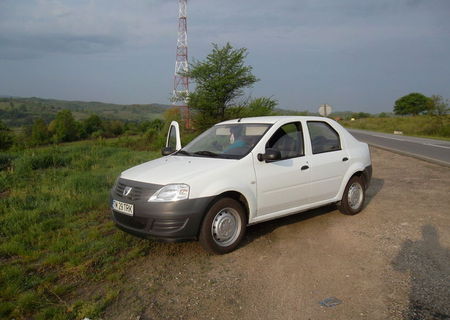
[(173, 141)]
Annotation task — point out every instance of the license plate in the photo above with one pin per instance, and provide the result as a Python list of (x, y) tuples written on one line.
[(123, 207)]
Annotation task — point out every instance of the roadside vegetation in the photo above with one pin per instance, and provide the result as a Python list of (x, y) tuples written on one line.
[(56, 234), (426, 126), (414, 114)]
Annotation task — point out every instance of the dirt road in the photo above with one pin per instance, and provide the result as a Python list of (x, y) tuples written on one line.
[(392, 261)]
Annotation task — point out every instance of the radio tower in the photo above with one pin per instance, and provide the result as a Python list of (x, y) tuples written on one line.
[(181, 83)]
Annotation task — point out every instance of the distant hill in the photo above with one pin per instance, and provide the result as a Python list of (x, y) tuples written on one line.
[(16, 112)]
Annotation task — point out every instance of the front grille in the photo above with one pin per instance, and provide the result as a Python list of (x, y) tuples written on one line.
[(134, 195), (132, 222), (139, 190)]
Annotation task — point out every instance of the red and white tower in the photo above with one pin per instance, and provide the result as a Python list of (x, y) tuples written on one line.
[(181, 82)]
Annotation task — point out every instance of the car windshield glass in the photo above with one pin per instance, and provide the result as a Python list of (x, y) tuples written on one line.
[(231, 141)]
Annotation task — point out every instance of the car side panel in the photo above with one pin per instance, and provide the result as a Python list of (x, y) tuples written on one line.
[(359, 158)]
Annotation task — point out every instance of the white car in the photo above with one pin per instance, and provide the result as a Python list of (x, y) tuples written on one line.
[(238, 173)]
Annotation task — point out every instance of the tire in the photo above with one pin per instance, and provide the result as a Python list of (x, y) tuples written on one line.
[(352, 201), (223, 226)]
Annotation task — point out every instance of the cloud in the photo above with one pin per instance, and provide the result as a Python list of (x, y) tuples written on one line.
[(87, 26), (298, 25), (18, 47), (32, 28)]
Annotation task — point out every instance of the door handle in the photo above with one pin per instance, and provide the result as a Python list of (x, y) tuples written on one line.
[(305, 167), (344, 159)]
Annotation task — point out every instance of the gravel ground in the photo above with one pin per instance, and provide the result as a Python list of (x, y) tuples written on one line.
[(391, 261)]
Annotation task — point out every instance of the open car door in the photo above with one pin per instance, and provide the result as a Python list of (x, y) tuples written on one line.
[(173, 141)]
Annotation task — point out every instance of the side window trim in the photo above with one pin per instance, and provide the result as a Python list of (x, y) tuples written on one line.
[(332, 129), (299, 127)]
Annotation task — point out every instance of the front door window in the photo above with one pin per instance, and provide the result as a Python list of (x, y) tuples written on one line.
[(288, 140)]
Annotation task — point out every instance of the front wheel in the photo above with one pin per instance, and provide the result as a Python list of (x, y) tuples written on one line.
[(223, 226), (353, 198)]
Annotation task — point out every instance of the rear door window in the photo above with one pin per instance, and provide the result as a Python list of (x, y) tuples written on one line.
[(323, 137)]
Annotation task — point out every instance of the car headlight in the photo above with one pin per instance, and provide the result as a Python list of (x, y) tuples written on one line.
[(171, 192)]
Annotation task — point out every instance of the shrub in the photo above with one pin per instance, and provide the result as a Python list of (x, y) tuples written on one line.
[(39, 133), (65, 127), (6, 137), (6, 160)]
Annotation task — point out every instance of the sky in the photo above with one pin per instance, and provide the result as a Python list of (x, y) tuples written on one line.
[(352, 54)]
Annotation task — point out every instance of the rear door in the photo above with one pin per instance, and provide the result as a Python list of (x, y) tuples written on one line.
[(328, 161), (283, 185)]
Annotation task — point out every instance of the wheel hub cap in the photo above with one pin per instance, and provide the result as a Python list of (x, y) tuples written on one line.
[(225, 227)]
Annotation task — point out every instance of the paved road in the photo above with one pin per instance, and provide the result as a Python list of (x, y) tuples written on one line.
[(429, 149)]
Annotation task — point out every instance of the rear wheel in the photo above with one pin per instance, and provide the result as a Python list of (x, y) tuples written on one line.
[(223, 226), (353, 198)]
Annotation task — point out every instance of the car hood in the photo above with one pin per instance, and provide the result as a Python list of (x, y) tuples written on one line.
[(174, 169)]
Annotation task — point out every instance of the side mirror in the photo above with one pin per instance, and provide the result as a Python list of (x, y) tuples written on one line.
[(270, 155), (167, 150)]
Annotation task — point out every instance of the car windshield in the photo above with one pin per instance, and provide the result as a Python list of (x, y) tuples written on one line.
[(230, 141)]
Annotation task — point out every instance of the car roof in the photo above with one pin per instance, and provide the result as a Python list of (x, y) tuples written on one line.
[(273, 119)]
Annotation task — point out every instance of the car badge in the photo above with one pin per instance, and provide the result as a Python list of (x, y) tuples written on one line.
[(127, 191)]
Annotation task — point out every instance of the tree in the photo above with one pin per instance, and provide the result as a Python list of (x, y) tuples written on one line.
[(438, 106), (156, 124), (65, 127), (220, 81), (39, 132), (413, 103), (361, 115), (6, 137), (262, 106), (92, 124)]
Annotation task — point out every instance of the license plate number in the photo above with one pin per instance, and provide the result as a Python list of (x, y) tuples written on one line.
[(123, 207)]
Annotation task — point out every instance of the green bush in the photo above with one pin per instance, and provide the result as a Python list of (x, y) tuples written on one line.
[(3, 182), (6, 160), (6, 137)]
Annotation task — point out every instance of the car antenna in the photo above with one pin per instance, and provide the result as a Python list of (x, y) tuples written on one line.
[(239, 120)]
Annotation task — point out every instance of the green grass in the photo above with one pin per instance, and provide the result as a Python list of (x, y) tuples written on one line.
[(422, 126), (56, 235)]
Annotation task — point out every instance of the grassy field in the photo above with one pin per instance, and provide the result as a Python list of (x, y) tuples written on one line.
[(423, 126), (16, 112), (60, 255)]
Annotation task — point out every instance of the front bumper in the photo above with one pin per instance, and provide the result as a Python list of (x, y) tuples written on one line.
[(169, 221)]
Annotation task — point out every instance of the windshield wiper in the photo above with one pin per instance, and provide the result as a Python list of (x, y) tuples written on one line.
[(184, 152), (206, 153)]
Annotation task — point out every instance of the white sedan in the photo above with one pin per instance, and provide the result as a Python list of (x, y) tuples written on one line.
[(241, 172)]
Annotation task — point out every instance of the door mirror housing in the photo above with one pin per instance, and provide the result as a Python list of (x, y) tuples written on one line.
[(167, 151), (270, 155)]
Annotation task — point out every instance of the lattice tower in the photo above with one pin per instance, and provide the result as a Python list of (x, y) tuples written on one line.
[(181, 82)]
